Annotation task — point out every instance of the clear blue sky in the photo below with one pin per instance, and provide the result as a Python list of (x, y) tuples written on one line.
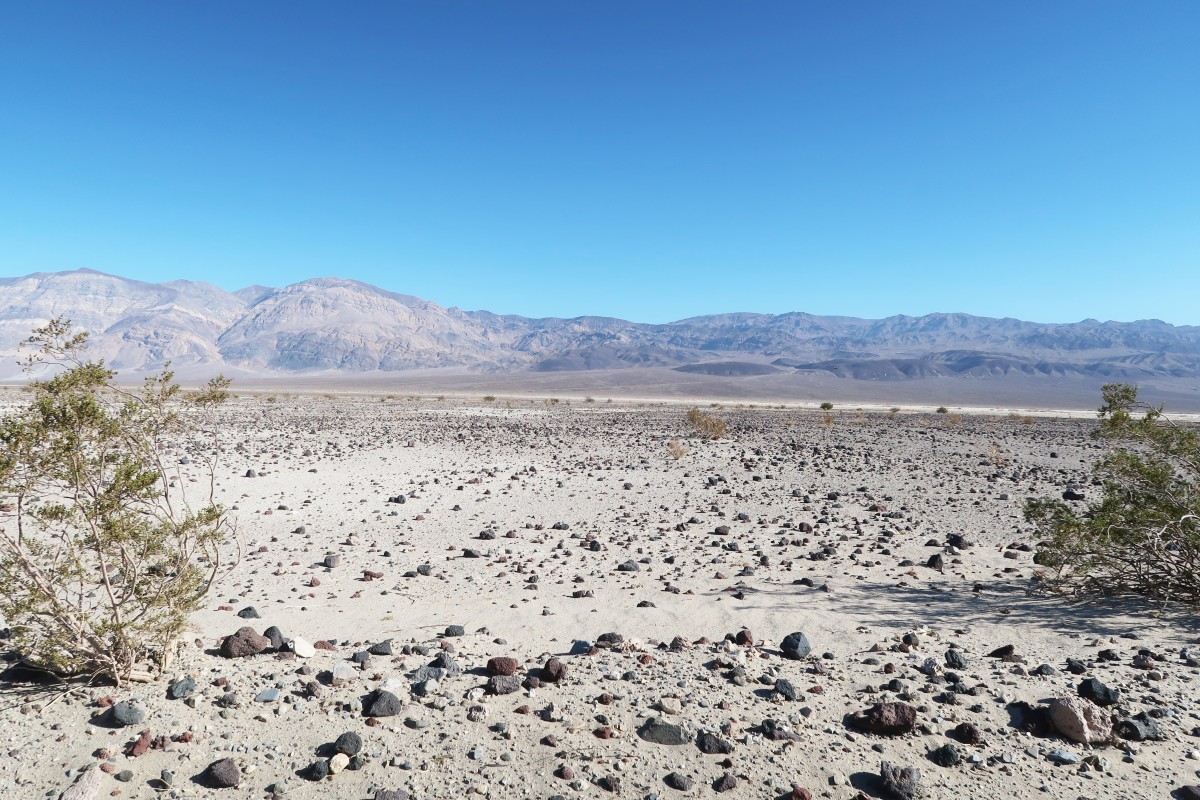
[(648, 160)]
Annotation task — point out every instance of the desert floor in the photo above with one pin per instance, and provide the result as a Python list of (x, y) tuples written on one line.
[(544, 528)]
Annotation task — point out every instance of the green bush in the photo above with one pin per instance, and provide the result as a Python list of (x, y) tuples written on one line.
[(102, 559), (827, 406), (1142, 535)]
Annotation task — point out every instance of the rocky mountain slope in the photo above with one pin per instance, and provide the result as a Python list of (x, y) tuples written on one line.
[(335, 324)]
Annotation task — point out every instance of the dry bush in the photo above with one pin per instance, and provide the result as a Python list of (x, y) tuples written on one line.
[(677, 449), (706, 425)]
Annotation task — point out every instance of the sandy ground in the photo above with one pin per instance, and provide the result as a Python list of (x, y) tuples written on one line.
[(541, 527)]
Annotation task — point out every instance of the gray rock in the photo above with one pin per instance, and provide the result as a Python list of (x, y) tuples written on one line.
[(181, 688), (222, 774), (795, 646), (659, 731), (126, 713), (679, 782), (381, 703), (902, 782), (349, 743)]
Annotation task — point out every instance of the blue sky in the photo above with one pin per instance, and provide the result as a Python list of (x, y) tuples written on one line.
[(648, 160)]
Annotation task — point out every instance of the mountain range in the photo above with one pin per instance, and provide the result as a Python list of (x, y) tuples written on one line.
[(348, 327)]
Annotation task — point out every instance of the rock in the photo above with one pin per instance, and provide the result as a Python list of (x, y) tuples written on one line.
[(87, 787), (126, 713), (955, 659), (181, 688), (795, 646), (946, 756), (343, 674), (222, 774), (455, 630), (1098, 693), (628, 566), (246, 642), (1061, 756), (1080, 720), (302, 648), (967, 733), (902, 782), (776, 732), (725, 783), (785, 689), (444, 661), (711, 744), (383, 648), (275, 637), (349, 743), (267, 695), (678, 782), (249, 612), (391, 794), (885, 719), (381, 703), (503, 684), (338, 763), (1140, 728), (659, 731), (502, 665), (554, 671)]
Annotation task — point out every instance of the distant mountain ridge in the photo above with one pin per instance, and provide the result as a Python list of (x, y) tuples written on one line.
[(337, 324)]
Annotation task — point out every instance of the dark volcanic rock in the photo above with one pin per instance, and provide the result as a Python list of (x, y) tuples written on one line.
[(712, 744), (503, 684), (349, 743), (902, 782), (795, 646), (1098, 693), (659, 731), (679, 782), (885, 719), (381, 703), (222, 774)]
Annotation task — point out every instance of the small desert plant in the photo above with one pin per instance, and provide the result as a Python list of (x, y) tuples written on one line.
[(943, 410), (827, 420), (827, 406), (1143, 533), (489, 398), (893, 412), (677, 449), (954, 419), (102, 559), (706, 425), (589, 399)]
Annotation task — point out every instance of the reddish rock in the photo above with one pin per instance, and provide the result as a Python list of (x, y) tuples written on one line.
[(554, 671), (502, 665), (885, 719), (246, 642)]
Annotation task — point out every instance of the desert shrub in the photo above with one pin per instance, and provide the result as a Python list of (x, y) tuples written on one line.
[(1143, 533), (677, 449), (893, 412), (706, 425), (102, 558), (827, 406), (489, 398), (943, 410)]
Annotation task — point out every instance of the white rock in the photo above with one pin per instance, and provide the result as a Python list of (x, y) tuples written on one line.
[(302, 648)]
